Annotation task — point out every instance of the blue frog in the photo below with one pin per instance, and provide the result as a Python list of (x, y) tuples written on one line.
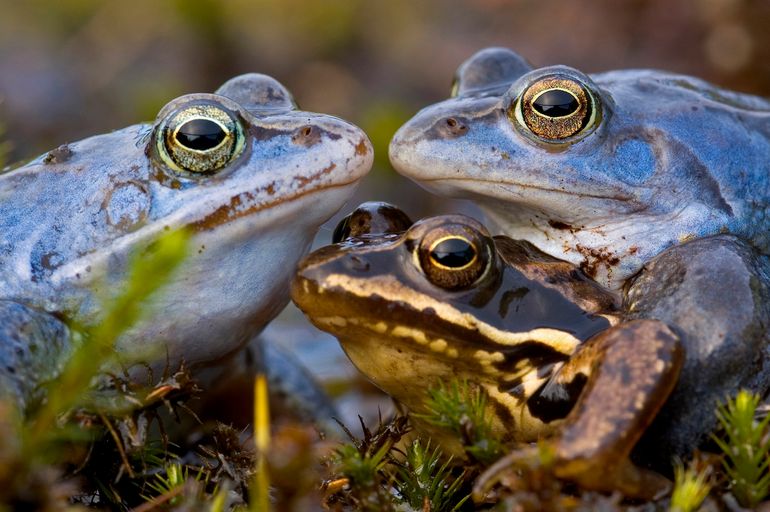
[(246, 173), (605, 170)]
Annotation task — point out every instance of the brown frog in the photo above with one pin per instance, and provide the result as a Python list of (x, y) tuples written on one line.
[(417, 304)]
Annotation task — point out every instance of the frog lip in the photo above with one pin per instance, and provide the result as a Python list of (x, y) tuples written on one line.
[(341, 307), (414, 329), (488, 186), (229, 213), (342, 171), (432, 171)]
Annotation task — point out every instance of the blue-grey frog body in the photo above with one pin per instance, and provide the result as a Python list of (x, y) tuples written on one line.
[(606, 170), (247, 173)]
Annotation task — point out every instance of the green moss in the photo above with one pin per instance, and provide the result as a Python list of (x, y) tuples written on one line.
[(426, 477), (149, 271), (745, 444), (691, 487), (5, 148), (461, 409)]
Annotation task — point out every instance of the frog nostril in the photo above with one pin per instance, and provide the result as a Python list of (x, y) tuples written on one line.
[(357, 264), (306, 136), (456, 127)]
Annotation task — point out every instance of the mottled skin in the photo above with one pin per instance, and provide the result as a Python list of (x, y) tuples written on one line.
[(533, 332), (667, 158), (715, 294), (70, 218)]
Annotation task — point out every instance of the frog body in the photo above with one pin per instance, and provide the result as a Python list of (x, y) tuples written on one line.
[(549, 347), (247, 174), (604, 170), (714, 292)]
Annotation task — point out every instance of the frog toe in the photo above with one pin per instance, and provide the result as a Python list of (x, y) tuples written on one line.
[(597, 474), (506, 471), (625, 477)]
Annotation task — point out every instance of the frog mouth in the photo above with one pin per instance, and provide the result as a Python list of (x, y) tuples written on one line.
[(518, 187), (429, 328), (251, 202)]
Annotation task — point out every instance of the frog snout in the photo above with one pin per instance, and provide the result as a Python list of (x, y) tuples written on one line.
[(347, 138), (399, 150), (319, 272)]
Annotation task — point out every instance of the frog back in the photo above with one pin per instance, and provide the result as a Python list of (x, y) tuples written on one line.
[(70, 202), (694, 144)]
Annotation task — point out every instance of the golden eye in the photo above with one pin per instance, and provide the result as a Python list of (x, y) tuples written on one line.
[(200, 138), (371, 218), (453, 257), (555, 108)]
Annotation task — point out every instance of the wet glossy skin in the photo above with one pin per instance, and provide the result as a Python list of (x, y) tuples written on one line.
[(658, 159), (70, 218), (533, 332)]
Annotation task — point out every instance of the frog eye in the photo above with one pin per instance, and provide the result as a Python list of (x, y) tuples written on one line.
[(200, 138), (555, 108), (453, 258), (371, 218)]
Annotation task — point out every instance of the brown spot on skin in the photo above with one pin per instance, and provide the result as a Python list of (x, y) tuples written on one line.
[(504, 414), (58, 155), (505, 156), (275, 96), (166, 180), (261, 133), (556, 224), (633, 249), (594, 258), (221, 215), (227, 213), (304, 180), (362, 148)]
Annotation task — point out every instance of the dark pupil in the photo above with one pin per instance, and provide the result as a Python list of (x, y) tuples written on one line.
[(200, 134), (556, 103), (453, 253), (342, 231)]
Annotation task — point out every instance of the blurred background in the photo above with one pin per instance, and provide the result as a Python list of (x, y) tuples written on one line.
[(74, 68)]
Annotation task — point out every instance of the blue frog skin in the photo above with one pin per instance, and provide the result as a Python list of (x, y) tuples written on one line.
[(604, 170), (247, 173)]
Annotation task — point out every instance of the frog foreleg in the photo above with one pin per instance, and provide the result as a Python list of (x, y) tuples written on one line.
[(632, 368), (33, 346)]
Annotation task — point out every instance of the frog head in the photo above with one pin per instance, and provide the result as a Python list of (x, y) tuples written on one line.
[(245, 172), (604, 170), (417, 305)]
